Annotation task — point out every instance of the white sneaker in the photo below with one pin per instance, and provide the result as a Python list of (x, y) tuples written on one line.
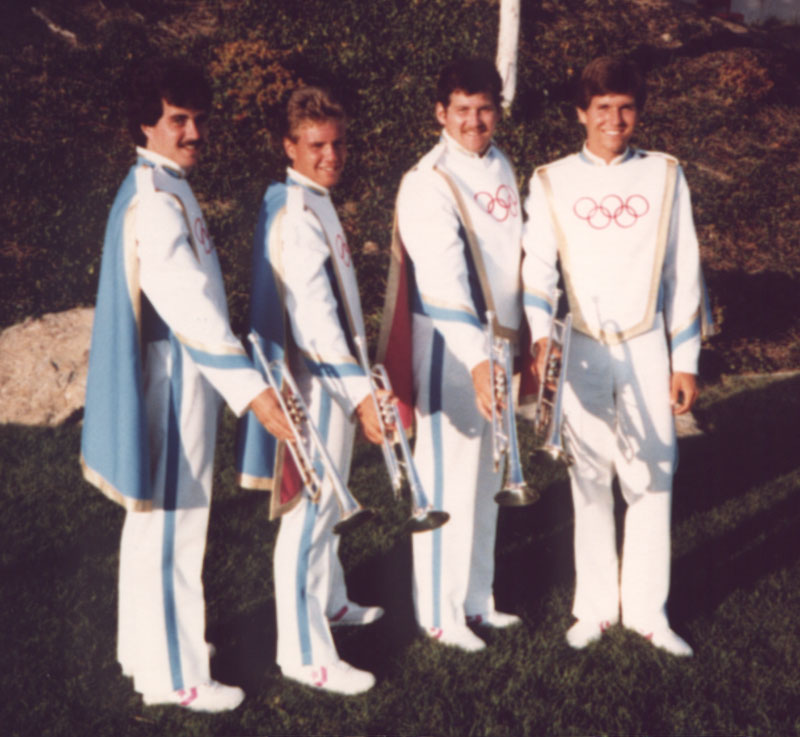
[(211, 696), (495, 619), (457, 636), (585, 632), (338, 677), (355, 614), (667, 639)]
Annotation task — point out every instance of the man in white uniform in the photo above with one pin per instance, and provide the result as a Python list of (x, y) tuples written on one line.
[(619, 221), (163, 358), (460, 222), (303, 269)]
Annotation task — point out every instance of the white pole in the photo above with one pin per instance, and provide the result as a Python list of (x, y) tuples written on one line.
[(507, 43)]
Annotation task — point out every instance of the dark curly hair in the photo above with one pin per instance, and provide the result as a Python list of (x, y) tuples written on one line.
[(178, 82), (471, 75)]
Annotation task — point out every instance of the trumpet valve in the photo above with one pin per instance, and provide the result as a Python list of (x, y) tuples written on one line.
[(553, 369), (387, 415), (296, 413)]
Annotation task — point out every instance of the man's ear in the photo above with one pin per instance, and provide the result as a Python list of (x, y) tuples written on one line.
[(290, 148), (581, 115), (441, 113)]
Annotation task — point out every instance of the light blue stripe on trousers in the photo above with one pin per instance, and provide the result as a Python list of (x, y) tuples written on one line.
[(435, 410), (306, 540), (170, 504)]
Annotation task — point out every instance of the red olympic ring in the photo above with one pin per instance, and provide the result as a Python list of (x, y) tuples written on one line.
[(499, 206), (343, 249), (201, 233), (612, 208)]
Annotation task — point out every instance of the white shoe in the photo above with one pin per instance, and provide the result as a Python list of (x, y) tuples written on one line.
[(338, 677), (667, 639), (585, 632), (211, 696), (457, 636), (495, 619), (355, 614)]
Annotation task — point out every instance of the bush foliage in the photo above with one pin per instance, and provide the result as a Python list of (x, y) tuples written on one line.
[(724, 99)]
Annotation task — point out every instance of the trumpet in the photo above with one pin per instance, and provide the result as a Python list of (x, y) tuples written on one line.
[(548, 416), (396, 452), (515, 493), (296, 412)]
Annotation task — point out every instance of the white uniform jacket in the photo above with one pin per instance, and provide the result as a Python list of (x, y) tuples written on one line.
[(626, 241), (321, 292), (161, 292), (452, 287), (305, 307)]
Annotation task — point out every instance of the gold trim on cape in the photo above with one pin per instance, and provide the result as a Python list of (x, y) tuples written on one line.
[(275, 247), (392, 287), (578, 321), (110, 491), (511, 334)]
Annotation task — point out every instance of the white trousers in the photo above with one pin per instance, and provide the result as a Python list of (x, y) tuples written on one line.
[(161, 614), (309, 580), (454, 564), (618, 420)]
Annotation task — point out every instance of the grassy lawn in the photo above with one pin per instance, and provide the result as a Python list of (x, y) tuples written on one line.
[(735, 597)]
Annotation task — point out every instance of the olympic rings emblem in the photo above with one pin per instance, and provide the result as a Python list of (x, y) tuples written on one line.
[(612, 208), (202, 235), (342, 249), (499, 206)]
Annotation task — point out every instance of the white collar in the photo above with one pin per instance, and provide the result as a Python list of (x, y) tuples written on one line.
[(158, 159), (456, 146), (307, 182), (595, 159)]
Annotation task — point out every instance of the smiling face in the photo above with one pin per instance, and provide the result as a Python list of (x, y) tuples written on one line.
[(179, 134), (610, 121), (469, 120), (318, 151)]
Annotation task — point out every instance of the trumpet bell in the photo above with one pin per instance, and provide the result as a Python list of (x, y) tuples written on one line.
[(557, 453), (516, 495), (426, 519), (355, 519)]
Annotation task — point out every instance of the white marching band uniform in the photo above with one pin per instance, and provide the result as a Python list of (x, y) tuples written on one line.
[(163, 290), (625, 238), (450, 196), (309, 257)]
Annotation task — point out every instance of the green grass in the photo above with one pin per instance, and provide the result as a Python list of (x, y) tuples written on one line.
[(735, 597)]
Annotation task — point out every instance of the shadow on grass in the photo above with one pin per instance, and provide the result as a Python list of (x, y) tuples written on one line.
[(738, 486), (736, 493), (762, 544), (761, 328), (751, 438), (245, 648)]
